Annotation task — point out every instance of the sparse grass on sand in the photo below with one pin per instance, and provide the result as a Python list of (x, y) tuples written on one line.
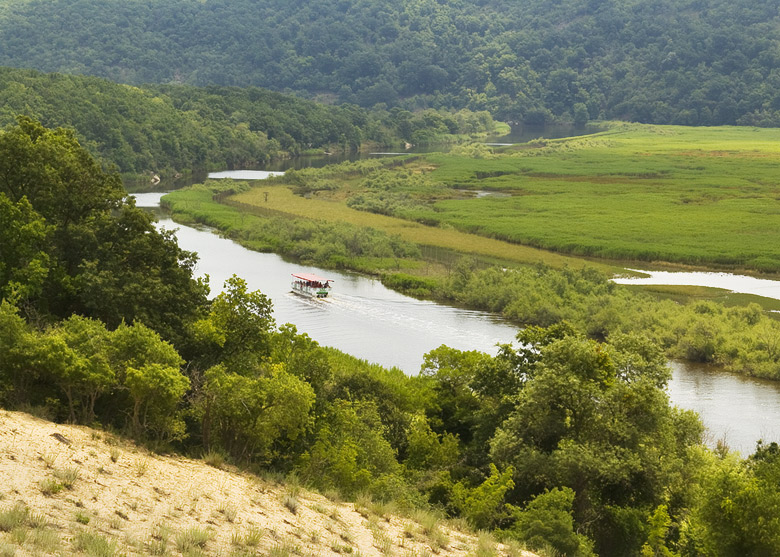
[(181, 506)]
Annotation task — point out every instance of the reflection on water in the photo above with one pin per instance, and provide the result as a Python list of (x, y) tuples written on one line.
[(244, 174), (736, 409)]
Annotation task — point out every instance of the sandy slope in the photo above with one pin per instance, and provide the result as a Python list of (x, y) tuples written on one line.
[(142, 503)]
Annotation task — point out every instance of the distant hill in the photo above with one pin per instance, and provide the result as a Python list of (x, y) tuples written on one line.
[(664, 61)]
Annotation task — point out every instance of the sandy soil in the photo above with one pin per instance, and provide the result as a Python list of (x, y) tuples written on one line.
[(128, 501)]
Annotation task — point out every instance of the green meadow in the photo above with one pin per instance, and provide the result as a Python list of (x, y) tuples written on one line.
[(701, 196)]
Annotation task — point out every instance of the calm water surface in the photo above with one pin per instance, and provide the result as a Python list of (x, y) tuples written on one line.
[(365, 319), (734, 283)]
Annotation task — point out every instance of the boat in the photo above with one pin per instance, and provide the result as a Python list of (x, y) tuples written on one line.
[(311, 285)]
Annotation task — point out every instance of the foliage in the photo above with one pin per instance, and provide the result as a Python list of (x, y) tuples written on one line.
[(681, 61), (105, 259), (349, 451), (169, 129), (546, 521), (483, 506), (565, 438), (253, 417)]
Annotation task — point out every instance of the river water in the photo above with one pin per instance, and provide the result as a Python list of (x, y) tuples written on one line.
[(367, 320), (734, 283)]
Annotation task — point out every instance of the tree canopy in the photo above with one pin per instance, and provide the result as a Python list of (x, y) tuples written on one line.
[(662, 61)]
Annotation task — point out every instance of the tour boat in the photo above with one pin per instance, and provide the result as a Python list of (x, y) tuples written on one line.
[(311, 285)]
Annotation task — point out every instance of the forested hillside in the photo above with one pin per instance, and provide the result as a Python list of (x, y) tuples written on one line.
[(178, 127), (693, 62)]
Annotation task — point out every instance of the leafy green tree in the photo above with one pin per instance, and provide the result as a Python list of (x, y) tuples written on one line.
[(484, 506), (596, 420), (301, 355), (254, 418), (546, 521), (17, 344), (659, 524), (238, 329), (349, 452), (104, 256), (24, 261), (738, 512), (157, 391), (76, 352)]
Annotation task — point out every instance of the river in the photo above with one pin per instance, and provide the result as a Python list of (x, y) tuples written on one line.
[(365, 319)]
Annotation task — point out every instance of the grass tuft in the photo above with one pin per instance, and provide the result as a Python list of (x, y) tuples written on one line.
[(94, 545), (67, 476), (192, 538), (13, 517)]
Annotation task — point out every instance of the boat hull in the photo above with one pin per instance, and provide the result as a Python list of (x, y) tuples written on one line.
[(313, 291)]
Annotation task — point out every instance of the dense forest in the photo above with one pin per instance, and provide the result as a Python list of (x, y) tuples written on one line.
[(177, 128), (692, 62)]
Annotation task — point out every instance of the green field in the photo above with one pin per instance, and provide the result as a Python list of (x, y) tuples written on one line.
[(702, 196)]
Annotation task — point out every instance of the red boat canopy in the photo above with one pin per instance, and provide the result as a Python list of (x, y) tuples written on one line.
[(309, 277)]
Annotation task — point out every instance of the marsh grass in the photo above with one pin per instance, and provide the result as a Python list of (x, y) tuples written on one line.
[(703, 196)]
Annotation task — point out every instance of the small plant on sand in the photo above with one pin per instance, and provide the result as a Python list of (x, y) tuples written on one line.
[(37, 520), (44, 539), (214, 458), (114, 453), (253, 536), (336, 547), (192, 538), (429, 527), (228, 510), (486, 545), (94, 544), (158, 545), (140, 467), (49, 459), (13, 517), (284, 549), (50, 486), (67, 476), (291, 502), (82, 517)]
